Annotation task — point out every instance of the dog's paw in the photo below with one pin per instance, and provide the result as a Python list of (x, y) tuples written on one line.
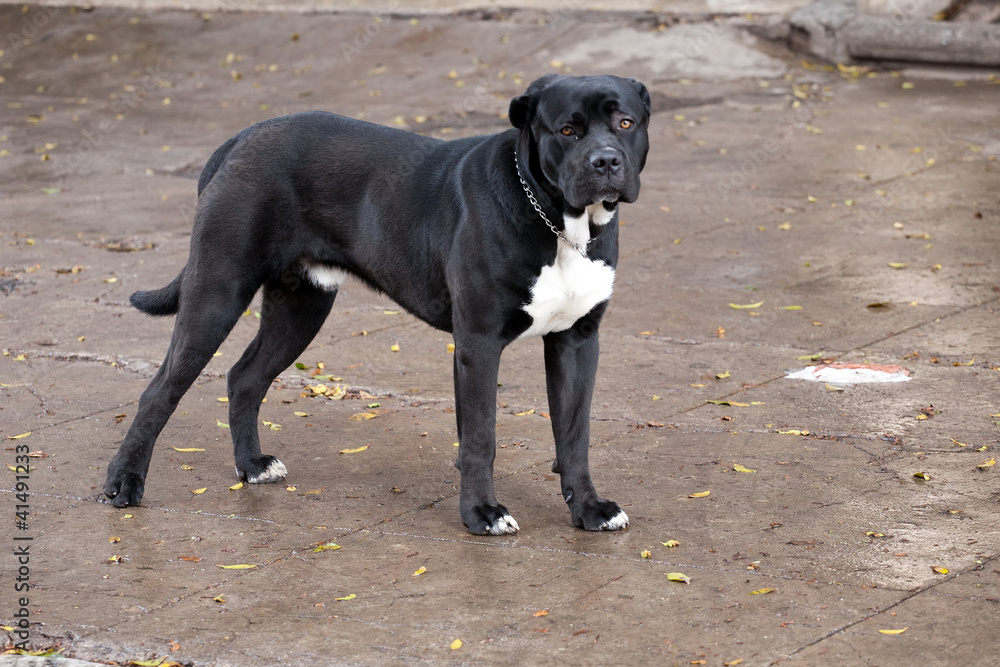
[(491, 520), (264, 470), (124, 488), (600, 515)]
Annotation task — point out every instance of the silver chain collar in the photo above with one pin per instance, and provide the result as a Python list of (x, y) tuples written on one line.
[(582, 249)]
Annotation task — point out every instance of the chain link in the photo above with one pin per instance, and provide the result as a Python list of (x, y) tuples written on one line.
[(582, 249)]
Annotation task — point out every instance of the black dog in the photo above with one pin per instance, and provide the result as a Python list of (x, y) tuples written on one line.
[(491, 238)]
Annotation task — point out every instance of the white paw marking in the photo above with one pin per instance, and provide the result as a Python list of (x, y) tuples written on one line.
[(324, 276), (275, 472), (505, 525), (571, 286), (616, 522)]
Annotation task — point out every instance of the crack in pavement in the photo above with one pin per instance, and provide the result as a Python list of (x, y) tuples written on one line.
[(912, 594)]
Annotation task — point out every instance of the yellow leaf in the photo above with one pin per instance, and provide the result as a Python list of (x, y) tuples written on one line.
[(940, 570), (114, 539), (420, 571), (747, 306), (677, 576), (792, 307), (6, 628), (722, 376), (987, 464), (794, 431), (963, 363), (236, 487), (894, 632), (451, 348), (526, 412), (960, 444), (241, 566), (362, 416), (221, 424), (541, 612), (922, 475), (18, 437), (355, 450), (785, 226), (127, 516), (223, 399), (186, 467), (301, 414), (186, 449), (645, 553), (329, 546), (739, 468), (761, 591), (671, 543), (732, 663), (347, 597), (646, 333), (199, 491), (457, 644), (394, 347), (898, 265), (391, 312), (921, 417), (217, 598), (700, 494)]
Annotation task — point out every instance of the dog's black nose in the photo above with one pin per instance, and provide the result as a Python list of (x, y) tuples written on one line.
[(606, 161)]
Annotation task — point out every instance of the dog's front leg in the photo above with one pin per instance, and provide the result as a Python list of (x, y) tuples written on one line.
[(570, 369), (477, 363)]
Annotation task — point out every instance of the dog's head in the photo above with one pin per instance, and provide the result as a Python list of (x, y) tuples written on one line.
[(589, 134)]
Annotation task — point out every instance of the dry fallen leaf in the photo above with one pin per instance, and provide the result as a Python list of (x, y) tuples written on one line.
[(186, 449), (199, 491), (347, 597), (541, 612), (940, 570), (236, 487), (362, 416), (894, 632), (671, 543), (240, 566), (420, 571), (645, 553), (525, 413), (114, 539), (677, 576), (739, 468), (355, 450), (457, 644), (700, 494), (922, 475), (987, 464), (329, 546), (748, 306), (18, 437), (761, 591)]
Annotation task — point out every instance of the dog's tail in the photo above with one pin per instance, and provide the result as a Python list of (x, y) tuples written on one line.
[(158, 302)]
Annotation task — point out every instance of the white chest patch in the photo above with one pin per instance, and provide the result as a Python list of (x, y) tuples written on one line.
[(323, 276), (571, 286)]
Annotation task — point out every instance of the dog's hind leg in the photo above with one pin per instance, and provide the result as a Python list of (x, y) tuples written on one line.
[(292, 313), (208, 308)]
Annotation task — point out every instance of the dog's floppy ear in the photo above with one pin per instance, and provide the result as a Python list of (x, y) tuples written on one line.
[(643, 94), (522, 107)]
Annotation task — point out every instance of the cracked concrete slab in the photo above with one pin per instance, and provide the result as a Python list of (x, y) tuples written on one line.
[(772, 180)]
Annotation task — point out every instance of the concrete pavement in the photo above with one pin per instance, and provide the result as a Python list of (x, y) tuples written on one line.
[(859, 206)]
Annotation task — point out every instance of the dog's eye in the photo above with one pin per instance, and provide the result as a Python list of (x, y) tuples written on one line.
[(626, 123), (568, 131)]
